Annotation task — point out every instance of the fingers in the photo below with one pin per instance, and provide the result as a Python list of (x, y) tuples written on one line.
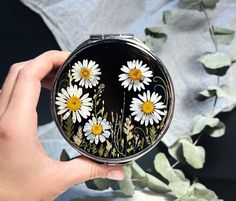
[(26, 90), (83, 169), (8, 85)]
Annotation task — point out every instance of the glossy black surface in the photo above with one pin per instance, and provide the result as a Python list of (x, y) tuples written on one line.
[(111, 55)]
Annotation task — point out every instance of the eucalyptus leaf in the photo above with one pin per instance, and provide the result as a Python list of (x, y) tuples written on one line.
[(163, 167), (102, 184), (154, 43), (185, 151), (167, 17), (216, 63), (223, 35), (176, 150), (198, 192), (212, 126), (91, 185), (197, 4), (64, 156), (219, 91), (156, 32), (177, 181), (139, 176), (126, 185), (156, 184), (194, 155)]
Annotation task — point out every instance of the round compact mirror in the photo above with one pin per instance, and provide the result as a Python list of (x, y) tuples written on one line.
[(113, 99)]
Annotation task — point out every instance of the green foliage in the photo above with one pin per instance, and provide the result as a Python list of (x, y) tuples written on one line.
[(194, 155), (155, 32), (209, 125), (152, 132), (157, 37), (156, 184), (216, 63), (178, 183), (197, 4), (223, 35), (198, 192), (185, 151), (101, 150), (69, 127), (126, 185), (219, 91), (167, 17), (98, 184)]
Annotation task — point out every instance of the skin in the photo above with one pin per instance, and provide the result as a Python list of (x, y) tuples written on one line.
[(26, 172)]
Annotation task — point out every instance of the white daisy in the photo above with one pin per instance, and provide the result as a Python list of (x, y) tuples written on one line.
[(72, 101), (148, 108), (135, 75), (97, 130), (86, 73)]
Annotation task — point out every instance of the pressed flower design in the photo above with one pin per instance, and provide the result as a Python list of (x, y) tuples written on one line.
[(97, 130), (101, 126), (148, 108), (86, 73), (136, 75), (73, 101)]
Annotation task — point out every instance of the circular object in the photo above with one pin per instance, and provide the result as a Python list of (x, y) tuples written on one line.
[(113, 99)]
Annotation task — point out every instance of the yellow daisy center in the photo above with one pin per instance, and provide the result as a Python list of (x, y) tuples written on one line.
[(148, 107), (74, 103), (96, 129), (135, 74), (85, 73)]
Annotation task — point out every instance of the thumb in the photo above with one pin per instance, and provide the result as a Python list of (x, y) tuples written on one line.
[(82, 169)]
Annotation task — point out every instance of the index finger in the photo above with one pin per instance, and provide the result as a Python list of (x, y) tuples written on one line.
[(27, 87)]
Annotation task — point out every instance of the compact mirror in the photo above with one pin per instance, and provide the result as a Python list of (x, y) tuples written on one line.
[(113, 100)]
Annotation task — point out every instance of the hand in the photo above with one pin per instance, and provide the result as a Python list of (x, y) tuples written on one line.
[(26, 172)]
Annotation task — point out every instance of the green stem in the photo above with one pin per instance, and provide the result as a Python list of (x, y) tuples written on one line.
[(211, 28)]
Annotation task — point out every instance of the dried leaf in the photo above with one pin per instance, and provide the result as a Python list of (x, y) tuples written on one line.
[(126, 185), (101, 150), (69, 127), (219, 91), (167, 17), (197, 4), (152, 132), (127, 129), (212, 126), (109, 146), (223, 35), (216, 63), (79, 136), (64, 156)]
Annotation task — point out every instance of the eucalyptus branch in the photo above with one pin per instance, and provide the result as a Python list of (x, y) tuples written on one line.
[(211, 28)]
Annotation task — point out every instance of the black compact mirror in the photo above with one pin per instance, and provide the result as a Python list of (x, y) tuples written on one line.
[(113, 100)]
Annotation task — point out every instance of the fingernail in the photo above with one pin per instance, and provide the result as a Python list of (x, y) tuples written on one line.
[(116, 174)]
